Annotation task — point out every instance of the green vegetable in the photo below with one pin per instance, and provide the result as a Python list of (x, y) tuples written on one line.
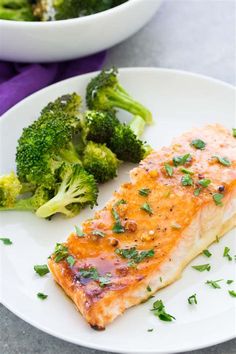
[(77, 189), (79, 232), (169, 169), (70, 260), (207, 253), (192, 299), (229, 281), (234, 132), (185, 170), (232, 293), (204, 182), (218, 198), (98, 233), (223, 160), (181, 160), (198, 144), (214, 283), (159, 311), (60, 252), (100, 161), (226, 253), (133, 255), (186, 180), (6, 241), (104, 92), (16, 10), (202, 268), (42, 296), (41, 270), (146, 207), (197, 192), (144, 192), (150, 329), (10, 188)]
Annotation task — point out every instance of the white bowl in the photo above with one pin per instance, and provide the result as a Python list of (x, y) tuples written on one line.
[(74, 38)]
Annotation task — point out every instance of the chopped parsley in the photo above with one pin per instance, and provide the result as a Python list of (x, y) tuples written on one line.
[(118, 228), (217, 197), (192, 299), (198, 144), (6, 241), (214, 283), (226, 253), (144, 192), (234, 132), (181, 160), (186, 180), (185, 170), (161, 279), (60, 252), (217, 239), (207, 253), (159, 311), (98, 233), (204, 182), (150, 329), (230, 281), (202, 267), (232, 293), (169, 169), (70, 260), (92, 273), (79, 232), (149, 289), (119, 202), (146, 207), (197, 192), (133, 255), (223, 160), (41, 270), (42, 296)]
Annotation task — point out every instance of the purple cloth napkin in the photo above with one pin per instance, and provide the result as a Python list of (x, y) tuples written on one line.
[(18, 81)]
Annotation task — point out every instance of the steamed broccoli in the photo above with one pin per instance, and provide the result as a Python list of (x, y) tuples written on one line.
[(69, 104), (44, 145), (10, 188), (16, 10), (65, 9), (100, 161), (99, 126), (76, 190), (104, 92)]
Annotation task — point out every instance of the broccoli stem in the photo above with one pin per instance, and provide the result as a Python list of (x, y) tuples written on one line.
[(70, 155), (119, 98), (21, 205), (137, 125)]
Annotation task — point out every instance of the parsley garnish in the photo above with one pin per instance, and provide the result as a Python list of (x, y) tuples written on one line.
[(92, 273), (70, 260), (169, 169), (161, 279), (146, 207), (41, 270), (144, 192), (133, 255), (217, 239), (218, 198), (214, 283), (202, 268), (207, 253), (204, 182), (159, 311), (197, 192), (149, 289), (119, 202), (234, 132), (117, 228), (198, 144), (188, 172), (60, 252), (223, 160), (42, 296), (232, 293), (181, 160), (226, 253), (6, 241), (186, 180), (79, 232), (98, 233), (150, 329), (192, 299), (229, 281)]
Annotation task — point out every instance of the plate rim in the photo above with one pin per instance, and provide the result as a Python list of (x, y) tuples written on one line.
[(81, 342)]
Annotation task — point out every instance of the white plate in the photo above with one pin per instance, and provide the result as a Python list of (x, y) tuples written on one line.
[(179, 101)]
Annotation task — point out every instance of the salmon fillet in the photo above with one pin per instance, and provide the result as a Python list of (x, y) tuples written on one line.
[(178, 201)]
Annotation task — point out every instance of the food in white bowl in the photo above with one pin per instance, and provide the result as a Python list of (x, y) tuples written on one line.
[(47, 41)]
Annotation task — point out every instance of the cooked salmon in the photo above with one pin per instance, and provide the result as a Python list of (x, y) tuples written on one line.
[(178, 201)]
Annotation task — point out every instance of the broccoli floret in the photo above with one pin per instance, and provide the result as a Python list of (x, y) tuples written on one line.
[(44, 145), (104, 92), (16, 10), (69, 104), (10, 188), (99, 126), (100, 161), (76, 190)]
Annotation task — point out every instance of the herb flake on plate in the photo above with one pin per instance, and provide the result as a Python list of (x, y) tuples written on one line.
[(6, 241), (202, 267), (41, 269)]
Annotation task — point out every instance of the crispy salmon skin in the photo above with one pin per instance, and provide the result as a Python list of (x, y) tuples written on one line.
[(178, 201)]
